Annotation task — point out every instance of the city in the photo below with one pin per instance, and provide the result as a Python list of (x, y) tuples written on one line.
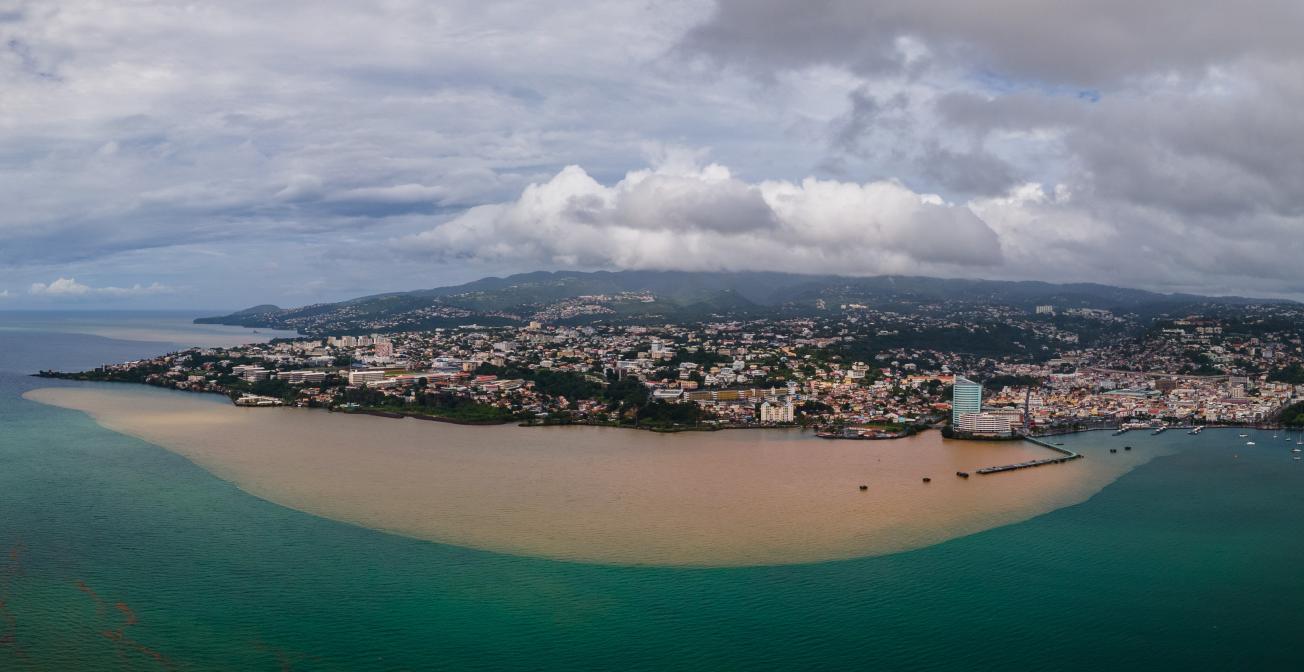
[(1189, 370), (651, 335)]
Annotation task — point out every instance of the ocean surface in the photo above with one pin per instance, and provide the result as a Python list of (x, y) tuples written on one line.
[(119, 555)]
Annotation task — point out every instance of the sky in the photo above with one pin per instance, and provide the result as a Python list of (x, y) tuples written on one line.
[(225, 153)]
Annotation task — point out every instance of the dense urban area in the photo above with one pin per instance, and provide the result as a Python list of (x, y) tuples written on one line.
[(852, 372)]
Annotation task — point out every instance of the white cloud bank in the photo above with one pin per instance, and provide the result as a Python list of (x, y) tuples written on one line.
[(69, 287), (704, 218)]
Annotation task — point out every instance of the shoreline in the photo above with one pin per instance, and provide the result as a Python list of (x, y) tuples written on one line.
[(590, 495)]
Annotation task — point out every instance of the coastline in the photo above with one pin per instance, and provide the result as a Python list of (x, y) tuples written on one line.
[(387, 413), (582, 494)]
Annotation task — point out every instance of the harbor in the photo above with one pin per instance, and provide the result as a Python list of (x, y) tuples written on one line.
[(1066, 456)]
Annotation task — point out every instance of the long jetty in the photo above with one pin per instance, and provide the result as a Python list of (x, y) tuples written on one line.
[(1067, 455)]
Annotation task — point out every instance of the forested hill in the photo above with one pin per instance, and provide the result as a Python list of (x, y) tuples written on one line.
[(673, 296)]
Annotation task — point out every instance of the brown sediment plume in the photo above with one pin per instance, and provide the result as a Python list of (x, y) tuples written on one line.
[(100, 607), (601, 494), (284, 658), (126, 612), (15, 565), (123, 644)]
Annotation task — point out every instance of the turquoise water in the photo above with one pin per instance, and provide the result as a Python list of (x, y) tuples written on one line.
[(118, 555)]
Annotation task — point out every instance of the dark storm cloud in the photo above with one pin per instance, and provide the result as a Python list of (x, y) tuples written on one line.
[(1165, 135), (1072, 41)]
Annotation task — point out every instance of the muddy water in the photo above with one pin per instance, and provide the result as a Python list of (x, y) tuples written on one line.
[(604, 495)]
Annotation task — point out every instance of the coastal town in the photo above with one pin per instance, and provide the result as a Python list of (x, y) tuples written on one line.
[(1194, 370)]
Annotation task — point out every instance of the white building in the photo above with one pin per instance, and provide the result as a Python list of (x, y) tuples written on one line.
[(668, 394), (984, 424), (304, 377), (364, 377), (250, 373), (777, 413)]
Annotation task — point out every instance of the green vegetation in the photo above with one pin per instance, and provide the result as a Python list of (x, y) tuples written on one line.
[(998, 382), (1293, 415), (435, 404), (1293, 374), (663, 414), (573, 386)]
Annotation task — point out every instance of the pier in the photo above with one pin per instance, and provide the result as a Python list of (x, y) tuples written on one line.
[(1068, 455)]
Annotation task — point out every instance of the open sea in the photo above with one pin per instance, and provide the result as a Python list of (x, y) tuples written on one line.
[(119, 555)]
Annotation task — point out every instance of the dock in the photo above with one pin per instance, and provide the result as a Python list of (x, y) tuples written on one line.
[(1067, 456)]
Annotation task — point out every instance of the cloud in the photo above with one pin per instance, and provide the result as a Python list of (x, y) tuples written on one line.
[(705, 218), (1181, 154), (926, 136), (1075, 42), (60, 287), (69, 287)]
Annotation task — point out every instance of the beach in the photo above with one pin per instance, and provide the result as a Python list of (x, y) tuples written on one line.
[(603, 495)]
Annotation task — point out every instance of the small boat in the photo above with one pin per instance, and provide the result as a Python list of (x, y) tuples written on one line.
[(1242, 435), (864, 488), (1249, 443), (1127, 447), (962, 474), (1113, 450), (1294, 450), (928, 480)]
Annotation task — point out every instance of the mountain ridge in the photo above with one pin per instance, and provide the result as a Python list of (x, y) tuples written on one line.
[(586, 296)]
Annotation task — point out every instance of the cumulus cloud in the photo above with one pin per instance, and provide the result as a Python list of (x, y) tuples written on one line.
[(1056, 140), (60, 287), (69, 287), (706, 219)]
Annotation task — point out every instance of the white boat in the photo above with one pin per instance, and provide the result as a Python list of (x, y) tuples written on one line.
[(1294, 450), (1242, 435), (1249, 443)]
